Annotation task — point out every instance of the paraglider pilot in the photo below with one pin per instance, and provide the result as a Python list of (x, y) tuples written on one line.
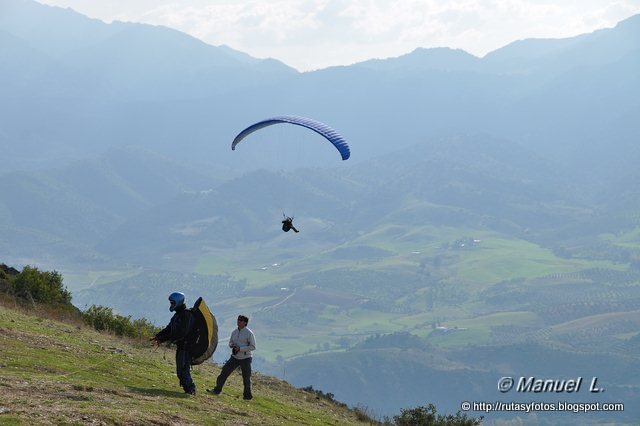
[(242, 343), (181, 332), (287, 224)]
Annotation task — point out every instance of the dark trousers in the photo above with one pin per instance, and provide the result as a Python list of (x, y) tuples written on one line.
[(229, 367), (183, 370)]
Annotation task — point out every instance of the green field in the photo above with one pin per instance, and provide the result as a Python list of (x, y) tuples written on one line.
[(392, 279), (497, 259)]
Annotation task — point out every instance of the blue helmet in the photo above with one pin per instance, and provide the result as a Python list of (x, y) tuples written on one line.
[(176, 299)]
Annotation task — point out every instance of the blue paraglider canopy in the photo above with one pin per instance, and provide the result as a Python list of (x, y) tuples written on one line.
[(327, 132)]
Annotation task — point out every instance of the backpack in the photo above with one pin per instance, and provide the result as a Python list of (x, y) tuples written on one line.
[(204, 338)]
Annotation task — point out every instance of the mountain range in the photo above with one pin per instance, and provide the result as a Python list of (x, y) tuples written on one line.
[(80, 85)]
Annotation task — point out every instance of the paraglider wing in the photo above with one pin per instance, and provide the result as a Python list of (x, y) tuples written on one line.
[(327, 132), (207, 333)]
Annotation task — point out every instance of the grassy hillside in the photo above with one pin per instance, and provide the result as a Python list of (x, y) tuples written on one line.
[(55, 372)]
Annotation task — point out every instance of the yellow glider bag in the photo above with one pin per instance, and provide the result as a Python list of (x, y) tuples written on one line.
[(206, 333)]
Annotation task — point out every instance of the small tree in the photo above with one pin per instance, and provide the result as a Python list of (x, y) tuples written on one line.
[(427, 416), (42, 287)]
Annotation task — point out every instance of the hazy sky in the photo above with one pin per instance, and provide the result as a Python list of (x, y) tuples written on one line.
[(312, 34)]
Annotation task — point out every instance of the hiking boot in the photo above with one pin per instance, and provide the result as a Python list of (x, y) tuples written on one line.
[(247, 397), (191, 392), (214, 391)]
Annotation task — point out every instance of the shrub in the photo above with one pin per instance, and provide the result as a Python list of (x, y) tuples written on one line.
[(320, 394), (427, 416), (102, 318)]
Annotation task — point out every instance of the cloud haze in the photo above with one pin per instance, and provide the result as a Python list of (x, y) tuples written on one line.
[(312, 34)]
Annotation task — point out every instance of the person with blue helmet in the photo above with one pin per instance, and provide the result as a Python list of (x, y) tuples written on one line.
[(180, 331)]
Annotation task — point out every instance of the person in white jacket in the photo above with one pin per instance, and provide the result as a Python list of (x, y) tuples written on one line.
[(242, 343)]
